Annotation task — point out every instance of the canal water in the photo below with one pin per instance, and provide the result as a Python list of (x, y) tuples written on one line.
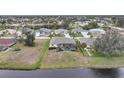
[(64, 73)]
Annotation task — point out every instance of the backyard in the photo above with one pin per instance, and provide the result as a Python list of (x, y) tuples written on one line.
[(26, 58), (40, 57), (69, 59)]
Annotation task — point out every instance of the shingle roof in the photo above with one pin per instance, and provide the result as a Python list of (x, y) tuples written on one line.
[(78, 30), (60, 31), (26, 30), (96, 30), (63, 40), (45, 30), (88, 41)]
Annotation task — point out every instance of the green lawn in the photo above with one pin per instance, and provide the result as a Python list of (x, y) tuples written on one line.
[(77, 60), (105, 62)]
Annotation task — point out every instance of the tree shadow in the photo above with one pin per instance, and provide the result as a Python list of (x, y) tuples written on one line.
[(106, 73)]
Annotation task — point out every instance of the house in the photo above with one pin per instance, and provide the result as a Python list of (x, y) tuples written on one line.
[(77, 30), (26, 30), (43, 32), (88, 41), (97, 32), (60, 31), (6, 43), (11, 31), (85, 34), (20, 31), (63, 43)]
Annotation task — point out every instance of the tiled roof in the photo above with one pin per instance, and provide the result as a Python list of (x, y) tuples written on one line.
[(7, 42)]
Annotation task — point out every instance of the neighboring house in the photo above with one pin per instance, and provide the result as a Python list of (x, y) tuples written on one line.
[(1, 33), (65, 44), (97, 32), (87, 41), (11, 31), (77, 30), (60, 31), (67, 35), (6, 43), (43, 32), (26, 30), (85, 34), (8, 33), (19, 33)]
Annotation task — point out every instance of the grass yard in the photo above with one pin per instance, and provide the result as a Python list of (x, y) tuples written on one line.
[(66, 59), (26, 58), (104, 62), (63, 59)]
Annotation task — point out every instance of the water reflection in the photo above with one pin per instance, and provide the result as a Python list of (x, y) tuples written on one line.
[(106, 73)]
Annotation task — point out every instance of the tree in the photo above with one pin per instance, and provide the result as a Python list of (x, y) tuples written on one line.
[(118, 22), (110, 44), (29, 39), (91, 34), (83, 45), (65, 24), (3, 25), (91, 25)]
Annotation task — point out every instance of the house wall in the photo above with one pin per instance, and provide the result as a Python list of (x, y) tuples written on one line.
[(67, 47)]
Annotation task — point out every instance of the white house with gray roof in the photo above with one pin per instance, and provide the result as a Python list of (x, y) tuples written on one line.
[(76, 30), (65, 44), (43, 32), (60, 31), (99, 30)]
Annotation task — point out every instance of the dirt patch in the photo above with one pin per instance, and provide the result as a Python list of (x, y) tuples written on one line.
[(27, 55), (64, 57)]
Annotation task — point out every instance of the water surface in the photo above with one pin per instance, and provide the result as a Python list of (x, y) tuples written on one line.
[(64, 73)]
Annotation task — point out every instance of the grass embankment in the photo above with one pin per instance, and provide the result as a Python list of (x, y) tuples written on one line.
[(105, 62), (26, 59), (76, 60), (43, 55)]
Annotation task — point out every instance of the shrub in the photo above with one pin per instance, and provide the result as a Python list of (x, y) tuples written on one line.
[(91, 25)]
